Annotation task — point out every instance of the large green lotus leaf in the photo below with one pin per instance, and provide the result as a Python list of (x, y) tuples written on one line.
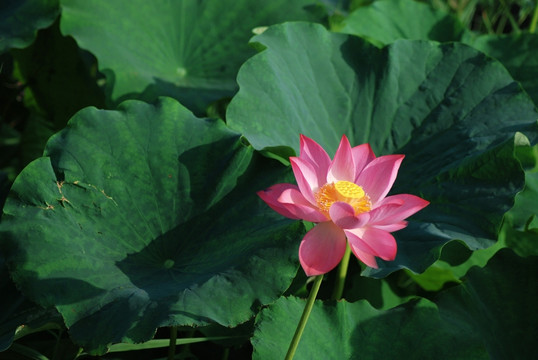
[(190, 50), (344, 330), (146, 217), (450, 109), (491, 315), (20, 20), (309, 80), (384, 21), (518, 52)]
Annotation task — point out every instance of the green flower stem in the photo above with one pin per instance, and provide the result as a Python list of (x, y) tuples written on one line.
[(304, 318), (172, 346), (341, 276)]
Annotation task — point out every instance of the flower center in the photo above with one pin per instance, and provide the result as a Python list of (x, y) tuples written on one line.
[(344, 191)]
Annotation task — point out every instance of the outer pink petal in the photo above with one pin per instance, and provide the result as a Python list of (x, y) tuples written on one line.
[(392, 213), (354, 237), (342, 166), (381, 242), (343, 215), (312, 152), (384, 209), (306, 177), (362, 156), (296, 204), (364, 256), (322, 249), (378, 176), (392, 227), (271, 195)]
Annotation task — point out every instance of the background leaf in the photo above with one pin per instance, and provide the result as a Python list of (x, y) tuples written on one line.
[(385, 21), (520, 228), (147, 217), (59, 81), (490, 303), (450, 109), (20, 20), (518, 52), (200, 48)]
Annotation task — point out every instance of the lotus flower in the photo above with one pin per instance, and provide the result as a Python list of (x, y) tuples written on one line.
[(347, 198)]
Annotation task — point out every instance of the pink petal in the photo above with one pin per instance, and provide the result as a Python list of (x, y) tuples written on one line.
[(384, 209), (396, 208), (343, 215), (354, 237), (363, 256), (301, 208), (392, 227), (378, 176), (342, 166), (362, 156), (271, 195), (381, 242), (322, 248), (312, 152), (306, 177)]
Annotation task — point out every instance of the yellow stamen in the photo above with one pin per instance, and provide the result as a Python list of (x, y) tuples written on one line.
[(344, 191)]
